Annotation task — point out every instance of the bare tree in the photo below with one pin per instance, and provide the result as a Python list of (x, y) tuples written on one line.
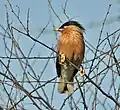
[(22, 86)]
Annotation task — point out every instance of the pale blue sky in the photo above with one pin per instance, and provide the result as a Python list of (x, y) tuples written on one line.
[(85, 11)]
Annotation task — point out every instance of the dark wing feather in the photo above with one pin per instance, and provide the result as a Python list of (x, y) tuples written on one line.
[(58, 67), (75, 71)]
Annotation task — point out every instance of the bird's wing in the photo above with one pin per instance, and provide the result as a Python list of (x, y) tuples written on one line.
[(58, 66), (75, 71)]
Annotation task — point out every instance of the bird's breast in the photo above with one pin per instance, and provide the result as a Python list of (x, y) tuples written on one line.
[(71, 45)]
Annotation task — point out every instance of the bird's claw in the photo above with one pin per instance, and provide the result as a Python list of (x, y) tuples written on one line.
[(82, 71), (62, 58)]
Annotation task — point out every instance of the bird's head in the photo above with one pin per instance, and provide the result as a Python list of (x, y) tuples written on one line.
[(70, 26)]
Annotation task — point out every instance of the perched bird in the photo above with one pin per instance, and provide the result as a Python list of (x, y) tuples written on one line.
[(70, 46)]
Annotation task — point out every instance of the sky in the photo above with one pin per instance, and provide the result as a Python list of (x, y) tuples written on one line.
[(90, 13)]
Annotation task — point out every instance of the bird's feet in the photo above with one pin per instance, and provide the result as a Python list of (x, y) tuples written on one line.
[(82, 71), (62, 58)]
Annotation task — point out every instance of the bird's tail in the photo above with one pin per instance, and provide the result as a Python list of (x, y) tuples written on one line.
[(65, 86)]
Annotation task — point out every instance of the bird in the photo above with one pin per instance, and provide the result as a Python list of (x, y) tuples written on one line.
[(70, 48)]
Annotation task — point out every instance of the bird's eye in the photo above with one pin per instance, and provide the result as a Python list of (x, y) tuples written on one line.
[(65, 27)]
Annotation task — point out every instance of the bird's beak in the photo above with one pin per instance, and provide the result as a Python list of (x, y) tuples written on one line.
[(57, 29)]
